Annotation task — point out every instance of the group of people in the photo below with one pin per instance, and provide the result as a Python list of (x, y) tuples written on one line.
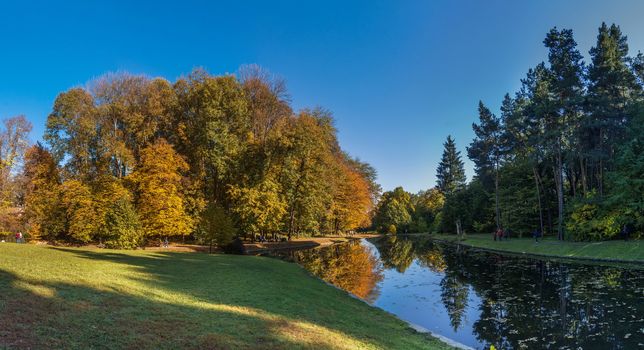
[(501, 234), (19, 237)]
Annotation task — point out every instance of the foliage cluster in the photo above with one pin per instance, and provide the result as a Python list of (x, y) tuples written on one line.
[(130, 158)]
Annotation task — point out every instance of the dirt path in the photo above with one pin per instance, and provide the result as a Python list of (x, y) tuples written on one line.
[(300, 243)]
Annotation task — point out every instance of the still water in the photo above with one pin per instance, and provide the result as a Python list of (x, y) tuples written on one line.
[(480, 298)]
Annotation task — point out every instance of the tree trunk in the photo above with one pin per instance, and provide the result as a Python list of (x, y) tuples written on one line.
[(559, 184), (536, 182), (496, 197), (600, 182), (584, 184)]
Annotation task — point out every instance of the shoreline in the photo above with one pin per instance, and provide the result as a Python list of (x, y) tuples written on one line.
[(415, 327), (475, 243), (300, 243)]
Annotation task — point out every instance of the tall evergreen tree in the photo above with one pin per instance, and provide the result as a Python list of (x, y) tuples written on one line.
[(610, 91), (485, 151), (566, 89), (450, 173)]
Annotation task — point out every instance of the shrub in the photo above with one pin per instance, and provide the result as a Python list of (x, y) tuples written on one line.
[(589, 221)]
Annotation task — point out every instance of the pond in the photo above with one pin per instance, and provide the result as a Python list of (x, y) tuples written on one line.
[(480, 298)]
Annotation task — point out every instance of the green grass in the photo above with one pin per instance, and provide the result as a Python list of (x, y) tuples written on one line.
[(108, 299), (631, 251)]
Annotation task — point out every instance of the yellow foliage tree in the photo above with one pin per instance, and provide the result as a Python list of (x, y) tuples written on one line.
[(80, 211), (160, 203), (43, 215), (351, 201)]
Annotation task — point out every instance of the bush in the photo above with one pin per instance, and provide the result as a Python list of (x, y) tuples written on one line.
[(589, 221)]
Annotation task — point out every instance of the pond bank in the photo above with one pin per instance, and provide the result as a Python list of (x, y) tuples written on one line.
[(629, 252), (300, 243)]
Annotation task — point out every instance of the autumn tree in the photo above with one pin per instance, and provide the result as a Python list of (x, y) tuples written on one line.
[(13, 144), (260, 208), (351, 199), (82, 220), (212, 127), (43, 213), (160, 202), (72, 134), (306, 170)]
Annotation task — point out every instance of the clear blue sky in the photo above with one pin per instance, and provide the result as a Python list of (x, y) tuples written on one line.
[(398, 75)]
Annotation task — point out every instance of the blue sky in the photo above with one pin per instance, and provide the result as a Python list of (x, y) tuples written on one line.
[(399, 76)]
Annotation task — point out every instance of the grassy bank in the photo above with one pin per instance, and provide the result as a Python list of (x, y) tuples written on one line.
[(631, 251), (79, 298)]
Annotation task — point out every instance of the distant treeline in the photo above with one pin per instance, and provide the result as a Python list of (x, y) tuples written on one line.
[(565, 156), (130, 158)]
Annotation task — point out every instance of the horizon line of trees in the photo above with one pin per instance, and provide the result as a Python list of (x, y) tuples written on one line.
[(565, 155), (129, 158)]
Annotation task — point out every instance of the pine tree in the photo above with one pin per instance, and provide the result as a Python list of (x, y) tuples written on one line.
[(450, 173), (485, 151), (566, 70), (610, 92)]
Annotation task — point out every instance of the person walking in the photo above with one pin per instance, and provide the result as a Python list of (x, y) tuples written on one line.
[(626, 231), (536, 235)]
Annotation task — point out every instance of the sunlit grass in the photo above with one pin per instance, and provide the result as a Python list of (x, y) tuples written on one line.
[(632, 250), (77, 298)]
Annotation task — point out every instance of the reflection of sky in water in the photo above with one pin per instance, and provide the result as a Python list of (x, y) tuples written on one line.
[(511, 302), (414, 296)]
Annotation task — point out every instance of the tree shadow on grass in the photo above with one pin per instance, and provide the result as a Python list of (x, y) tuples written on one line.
[(64, 316), (182, 300)]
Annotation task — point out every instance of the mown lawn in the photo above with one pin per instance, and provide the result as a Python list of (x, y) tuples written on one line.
[(632, 250), (108, 299)]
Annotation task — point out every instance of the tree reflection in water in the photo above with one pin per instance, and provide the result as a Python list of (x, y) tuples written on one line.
[(512, 302), (527, 303), (350, 266)]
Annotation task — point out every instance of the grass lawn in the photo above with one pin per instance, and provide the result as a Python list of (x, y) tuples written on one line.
[(632, 250), (109, 299)]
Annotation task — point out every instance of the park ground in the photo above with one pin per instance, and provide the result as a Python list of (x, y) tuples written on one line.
[(619, 251), (80, 298)]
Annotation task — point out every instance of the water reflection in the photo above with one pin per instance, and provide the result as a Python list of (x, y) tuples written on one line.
[(350, 266), (481, 298)]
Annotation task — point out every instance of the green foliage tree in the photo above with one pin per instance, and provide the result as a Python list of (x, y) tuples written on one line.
[(260, 208), (485, 150), (215, 227), (393, 211), (121, 227), (450, 173)]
